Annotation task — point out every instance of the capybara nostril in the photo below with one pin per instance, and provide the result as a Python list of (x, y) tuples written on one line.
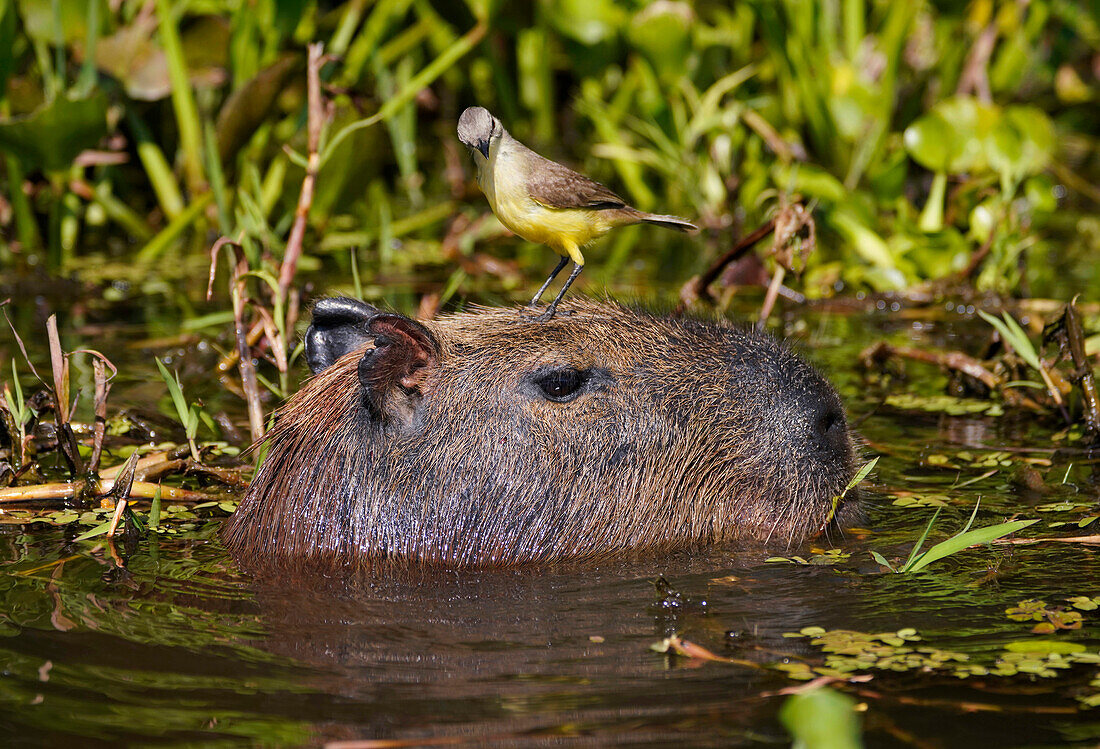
[(830, 428), (474, 441)]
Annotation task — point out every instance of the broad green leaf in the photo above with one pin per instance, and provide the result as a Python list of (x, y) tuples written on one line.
[(38, 19), (51, 137), (970, 538), (247, 107), (586, 21), (821, 719), (662, 32), (1036, 136), (928, 141), (967, 121), (882, 560)]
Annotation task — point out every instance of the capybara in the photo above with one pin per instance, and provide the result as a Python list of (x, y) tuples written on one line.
[(484, 439)]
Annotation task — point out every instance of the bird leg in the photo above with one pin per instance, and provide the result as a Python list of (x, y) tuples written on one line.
[(553, 274), (553, 308)]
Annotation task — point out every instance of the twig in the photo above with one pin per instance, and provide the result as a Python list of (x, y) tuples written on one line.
[(771, 296), (1094, 539), (99, 430), (696, 288), (953, 360), (144, 463), (120, 492), (975, 77), (313, 163), (255, 333), (60, 372), (140, 489), (976, 259), (244, 356)]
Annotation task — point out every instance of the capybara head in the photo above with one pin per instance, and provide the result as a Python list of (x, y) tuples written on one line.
[(484, 438)]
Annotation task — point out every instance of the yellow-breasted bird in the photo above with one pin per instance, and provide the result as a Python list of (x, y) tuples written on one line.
[(543, 201)]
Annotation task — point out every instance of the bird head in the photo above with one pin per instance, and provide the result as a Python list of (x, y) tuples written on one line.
[(477, 128)]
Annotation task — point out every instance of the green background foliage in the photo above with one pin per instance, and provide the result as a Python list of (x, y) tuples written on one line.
[(921, 133)]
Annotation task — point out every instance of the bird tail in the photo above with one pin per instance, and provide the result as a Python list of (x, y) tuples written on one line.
[(669, 222)]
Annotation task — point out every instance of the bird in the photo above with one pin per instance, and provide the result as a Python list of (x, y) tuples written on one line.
[(545, 202)]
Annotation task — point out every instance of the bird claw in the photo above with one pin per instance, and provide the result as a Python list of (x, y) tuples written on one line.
[(548, 314)]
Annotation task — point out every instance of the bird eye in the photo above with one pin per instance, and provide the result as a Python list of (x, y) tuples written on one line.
[(561, 385)]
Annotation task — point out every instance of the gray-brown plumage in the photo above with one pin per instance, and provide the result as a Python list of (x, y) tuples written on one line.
[(470, 440)]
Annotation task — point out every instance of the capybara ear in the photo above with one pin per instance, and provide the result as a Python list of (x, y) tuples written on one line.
[(394, 373), (340, 325)]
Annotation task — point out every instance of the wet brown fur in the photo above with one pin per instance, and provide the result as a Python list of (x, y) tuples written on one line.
[(697, 432)]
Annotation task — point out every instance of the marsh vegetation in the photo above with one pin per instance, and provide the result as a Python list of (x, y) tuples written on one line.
[(908, 190)]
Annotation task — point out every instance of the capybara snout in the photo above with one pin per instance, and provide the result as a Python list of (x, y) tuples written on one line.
[(484, 438)]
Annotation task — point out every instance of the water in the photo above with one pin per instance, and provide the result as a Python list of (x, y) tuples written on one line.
[(171, 643)]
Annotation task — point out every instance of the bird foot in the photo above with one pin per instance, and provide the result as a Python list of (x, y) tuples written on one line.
[(548, 314)]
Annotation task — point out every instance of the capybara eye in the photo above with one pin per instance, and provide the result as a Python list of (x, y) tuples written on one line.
[(561, 385)]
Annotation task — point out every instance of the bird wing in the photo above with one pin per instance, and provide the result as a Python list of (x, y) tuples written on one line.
[(556, 186)]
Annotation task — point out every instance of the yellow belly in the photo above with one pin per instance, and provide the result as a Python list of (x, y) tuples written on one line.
[(558, 228)]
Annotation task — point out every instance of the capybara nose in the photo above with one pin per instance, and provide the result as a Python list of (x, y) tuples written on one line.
[(830, 432)]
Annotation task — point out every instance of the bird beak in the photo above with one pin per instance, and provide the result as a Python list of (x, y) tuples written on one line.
[(483, 146)]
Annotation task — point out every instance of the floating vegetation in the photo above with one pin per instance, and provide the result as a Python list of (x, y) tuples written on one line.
[(821, 557), (915, 500), (948, 404), (849, 653), (1052, 618)]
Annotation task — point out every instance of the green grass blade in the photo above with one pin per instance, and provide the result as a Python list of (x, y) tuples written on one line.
[(156, 167), (175, 391), (973, 515), (154, 510), (183, 98), (99, 530), (913, 558), (1014, 336), (408, 92), (957, 543), (156, 246)]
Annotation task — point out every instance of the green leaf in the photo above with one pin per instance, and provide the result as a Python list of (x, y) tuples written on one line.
[(52, 136), (821, 719), (7, 40), (154, 509), (38, 19), (192, 423), (882, 560), (174, 390), (99, 530), (961, 541), (860, 475), (586, 21), (662, 32), (920, 542), (247, 107), (928, 141), (1016, 337)]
